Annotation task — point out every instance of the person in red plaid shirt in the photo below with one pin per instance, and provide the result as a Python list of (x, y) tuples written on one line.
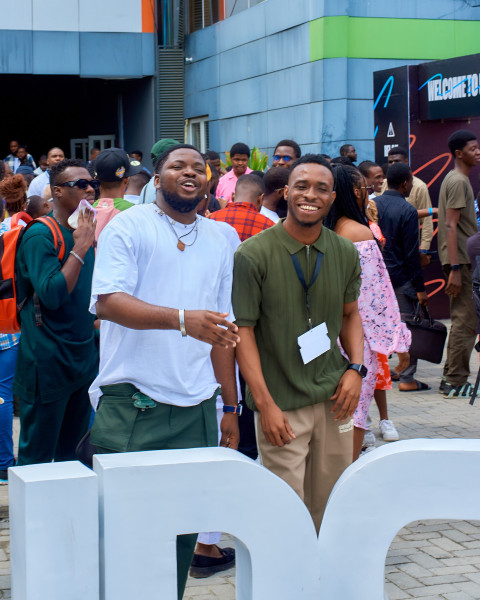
[(243, 212)]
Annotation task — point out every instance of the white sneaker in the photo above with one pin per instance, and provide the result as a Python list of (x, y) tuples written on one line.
[(369, 439), (388, 431)]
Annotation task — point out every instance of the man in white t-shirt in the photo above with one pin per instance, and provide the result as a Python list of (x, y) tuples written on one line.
[(38, 185), (162, 287)]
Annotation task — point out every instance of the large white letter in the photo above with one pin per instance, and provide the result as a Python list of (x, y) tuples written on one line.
[(148, 498), (54, 532), (378, 495)]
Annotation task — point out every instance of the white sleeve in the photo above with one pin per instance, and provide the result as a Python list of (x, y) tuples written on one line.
[(116, 268), (224, 301)]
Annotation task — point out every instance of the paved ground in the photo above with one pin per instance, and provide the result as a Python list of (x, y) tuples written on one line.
[(431, 560)]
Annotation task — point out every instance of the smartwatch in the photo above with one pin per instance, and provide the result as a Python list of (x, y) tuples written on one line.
[(360, 369), (236, 410), (455, 267)]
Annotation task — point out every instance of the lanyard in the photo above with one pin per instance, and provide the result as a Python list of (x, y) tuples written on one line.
[(301, 278)]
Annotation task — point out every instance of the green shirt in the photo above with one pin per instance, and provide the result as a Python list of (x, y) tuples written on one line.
[(60, 356), (456, 192), (268, 296)]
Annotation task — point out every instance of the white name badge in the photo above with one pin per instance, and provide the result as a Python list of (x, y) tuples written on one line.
[(314, 343)]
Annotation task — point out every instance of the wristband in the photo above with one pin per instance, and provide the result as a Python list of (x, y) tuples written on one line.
[(236, 410), (77, 257), (181, 317), (430, 211)]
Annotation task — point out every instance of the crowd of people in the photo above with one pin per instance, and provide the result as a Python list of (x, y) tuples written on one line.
[(211, 304)]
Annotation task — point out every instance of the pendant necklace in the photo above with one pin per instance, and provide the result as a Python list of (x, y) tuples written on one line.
[(181, 245)]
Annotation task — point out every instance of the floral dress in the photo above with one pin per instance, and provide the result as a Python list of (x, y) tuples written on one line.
[(382, 325)]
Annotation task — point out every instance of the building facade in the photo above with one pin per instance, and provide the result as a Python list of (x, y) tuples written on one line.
[(77, 74), (304, 69)]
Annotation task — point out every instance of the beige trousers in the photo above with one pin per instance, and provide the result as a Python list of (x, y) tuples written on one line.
[(315, 459)]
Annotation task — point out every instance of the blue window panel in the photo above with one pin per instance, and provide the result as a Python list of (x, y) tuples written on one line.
[(148, 53), (202, 75), (243, 62), (412, 9), (242, 98), (202, 43), (111, 55), (360, 119), (49, 46), (244, 27), (288, 48), (283, 14), (335, 122), (289, 87), (294, 122), (16, 50), (335, 78), (200, 104)]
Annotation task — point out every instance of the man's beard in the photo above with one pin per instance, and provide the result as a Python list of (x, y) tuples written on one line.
[(180, 204)]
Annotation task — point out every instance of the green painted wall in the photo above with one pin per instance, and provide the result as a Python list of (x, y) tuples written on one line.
[(416, 39)]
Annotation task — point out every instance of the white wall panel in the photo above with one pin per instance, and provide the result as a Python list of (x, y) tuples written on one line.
[(55, 15), (110, 16), (16, 15)]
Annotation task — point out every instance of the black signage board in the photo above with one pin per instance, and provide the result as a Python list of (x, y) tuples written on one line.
[(390, 88), (449, 89)]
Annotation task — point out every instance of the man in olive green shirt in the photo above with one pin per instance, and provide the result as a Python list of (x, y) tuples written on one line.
[(456, 223), (58, 355), (304, 404)]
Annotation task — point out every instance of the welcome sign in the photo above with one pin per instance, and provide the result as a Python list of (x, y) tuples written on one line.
[(110, 534), (449, 89)]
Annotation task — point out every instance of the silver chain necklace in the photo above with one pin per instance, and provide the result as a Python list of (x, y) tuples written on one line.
[(181, 245)]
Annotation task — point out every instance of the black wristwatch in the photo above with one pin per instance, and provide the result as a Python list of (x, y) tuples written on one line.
[(455, 267), (360, 369)]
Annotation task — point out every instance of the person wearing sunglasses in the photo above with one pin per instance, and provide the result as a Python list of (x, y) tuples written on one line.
[(58, 354), (286, 153)]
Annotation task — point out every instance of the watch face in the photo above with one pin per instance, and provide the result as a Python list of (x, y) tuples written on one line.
[(361, 369)]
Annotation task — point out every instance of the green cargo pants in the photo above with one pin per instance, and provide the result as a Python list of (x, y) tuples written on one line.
[(119, 426)]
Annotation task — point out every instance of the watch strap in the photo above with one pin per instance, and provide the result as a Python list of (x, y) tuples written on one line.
[(236, 410)]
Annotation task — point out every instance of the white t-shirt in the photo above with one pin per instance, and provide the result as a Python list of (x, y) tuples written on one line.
[(229, 232), (269, 214), (38, 185), (137, 254)]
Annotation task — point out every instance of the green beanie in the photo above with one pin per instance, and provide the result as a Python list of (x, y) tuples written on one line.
[(162, 145)]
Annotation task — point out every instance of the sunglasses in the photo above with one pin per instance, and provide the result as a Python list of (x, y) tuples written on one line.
[(370, 189), (82, 184), (285, 158)]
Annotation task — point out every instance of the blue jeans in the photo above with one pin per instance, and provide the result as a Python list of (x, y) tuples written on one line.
[(8, 359)]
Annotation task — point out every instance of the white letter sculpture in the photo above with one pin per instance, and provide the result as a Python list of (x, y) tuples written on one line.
[(145, 499)]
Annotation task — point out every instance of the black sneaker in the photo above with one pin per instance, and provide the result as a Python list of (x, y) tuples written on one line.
[(3, 477), (462, 392), (444, 386), (205, 566)]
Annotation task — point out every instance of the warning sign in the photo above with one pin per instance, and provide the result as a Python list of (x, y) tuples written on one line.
[(391, 132)]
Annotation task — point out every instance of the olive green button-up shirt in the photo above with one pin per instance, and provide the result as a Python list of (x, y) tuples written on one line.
[(268, 296)]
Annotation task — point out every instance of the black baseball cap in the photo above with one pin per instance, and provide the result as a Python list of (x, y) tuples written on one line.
[(114, 164)]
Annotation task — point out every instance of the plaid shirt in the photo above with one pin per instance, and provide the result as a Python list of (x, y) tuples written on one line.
[(14, 162), (244, 217)]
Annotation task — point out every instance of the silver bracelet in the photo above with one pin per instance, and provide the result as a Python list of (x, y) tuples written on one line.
[(77, 257), (181, 317)]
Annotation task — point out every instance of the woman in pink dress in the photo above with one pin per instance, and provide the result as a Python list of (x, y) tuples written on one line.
[(382, 325)]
